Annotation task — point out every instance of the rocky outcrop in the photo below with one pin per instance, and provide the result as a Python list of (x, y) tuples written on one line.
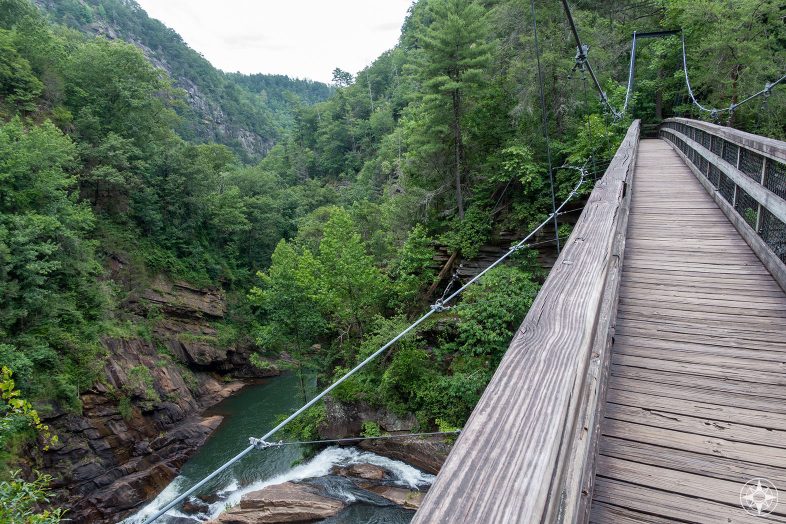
[(346, 420), (361, 471), (135, 431), (406, 498), (425, 453), (141, 422), (287, 502)]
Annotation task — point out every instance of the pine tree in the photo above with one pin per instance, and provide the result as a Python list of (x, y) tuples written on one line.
[(451, 68)]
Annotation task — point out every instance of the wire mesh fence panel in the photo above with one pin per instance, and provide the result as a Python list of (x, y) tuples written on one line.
[(773, 232), (730, 152), (775, 178), (714, 176), (726, 188), (716, 145), (747, 207), (751, 164), (747, 162)]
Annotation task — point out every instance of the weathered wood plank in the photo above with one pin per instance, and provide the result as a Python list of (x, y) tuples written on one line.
[(702, 444), (710, 358), (696, 399), (762, 391), (603, 513), (660, 479), (679, 508), (706, 465), (732, 414), (731, 431), (695, 392)]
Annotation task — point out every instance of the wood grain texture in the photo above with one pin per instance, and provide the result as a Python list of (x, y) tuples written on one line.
[(696, 402), (510, 462)]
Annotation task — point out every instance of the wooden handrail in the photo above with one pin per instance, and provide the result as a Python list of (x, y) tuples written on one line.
[(771, 151), (769, 147), (527, 452)]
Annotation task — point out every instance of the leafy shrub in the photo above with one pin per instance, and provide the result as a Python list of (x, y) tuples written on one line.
[(124, 407), (20, 500), (467, 236), (371, 429)]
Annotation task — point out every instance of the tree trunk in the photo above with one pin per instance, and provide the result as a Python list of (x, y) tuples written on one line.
[(735, 75), (370, 96), (442, 274), (302, 384), (659, 97), (459, 150)]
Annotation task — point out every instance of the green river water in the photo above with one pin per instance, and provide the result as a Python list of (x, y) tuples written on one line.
[(252, 412)]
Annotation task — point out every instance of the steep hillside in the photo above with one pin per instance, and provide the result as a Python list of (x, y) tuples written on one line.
[(247, 113)]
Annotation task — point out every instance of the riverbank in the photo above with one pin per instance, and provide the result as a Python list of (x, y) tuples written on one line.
[(327, 474)]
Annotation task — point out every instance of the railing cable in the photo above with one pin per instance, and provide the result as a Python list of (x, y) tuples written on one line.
[(713, 111), (262, 444)]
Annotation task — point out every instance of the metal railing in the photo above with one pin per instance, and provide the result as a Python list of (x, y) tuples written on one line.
[(746, 174)]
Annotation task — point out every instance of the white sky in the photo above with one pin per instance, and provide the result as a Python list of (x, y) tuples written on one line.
[(299, 38)]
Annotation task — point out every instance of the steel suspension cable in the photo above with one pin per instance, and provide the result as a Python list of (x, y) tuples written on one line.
[(265, 445), (581, 58), (631, 72), (439, 306), (545, 123), (716, 111)]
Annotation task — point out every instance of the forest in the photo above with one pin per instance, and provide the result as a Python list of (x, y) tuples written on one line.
[(326, 243)]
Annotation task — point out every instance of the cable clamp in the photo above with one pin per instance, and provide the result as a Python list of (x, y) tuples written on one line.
[(262, 444), (714, 114), (768, 88), (439, 306), (581, 56)]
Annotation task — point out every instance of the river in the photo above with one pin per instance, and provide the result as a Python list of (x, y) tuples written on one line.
[(251, 412)]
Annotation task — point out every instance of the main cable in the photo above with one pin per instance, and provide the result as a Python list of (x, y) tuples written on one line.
[(631, 72), (439, 306), (583, 60), (767, 90)]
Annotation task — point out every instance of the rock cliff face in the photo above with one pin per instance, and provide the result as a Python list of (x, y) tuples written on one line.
[(141, 423), (212, 122)]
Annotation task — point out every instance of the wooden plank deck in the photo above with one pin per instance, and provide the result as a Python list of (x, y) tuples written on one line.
[(696, 401)]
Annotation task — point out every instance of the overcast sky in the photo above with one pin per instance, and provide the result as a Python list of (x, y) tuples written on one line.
[(300, 38)]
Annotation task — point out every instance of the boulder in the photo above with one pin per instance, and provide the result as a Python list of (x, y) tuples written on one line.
[(427, 454), (194, 505), (287, 502), (361, 471), (406, 498)]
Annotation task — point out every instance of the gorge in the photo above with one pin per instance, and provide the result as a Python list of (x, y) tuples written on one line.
[(188, 254)]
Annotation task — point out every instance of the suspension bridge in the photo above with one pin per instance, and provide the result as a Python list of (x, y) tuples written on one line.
[(647, 382)]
